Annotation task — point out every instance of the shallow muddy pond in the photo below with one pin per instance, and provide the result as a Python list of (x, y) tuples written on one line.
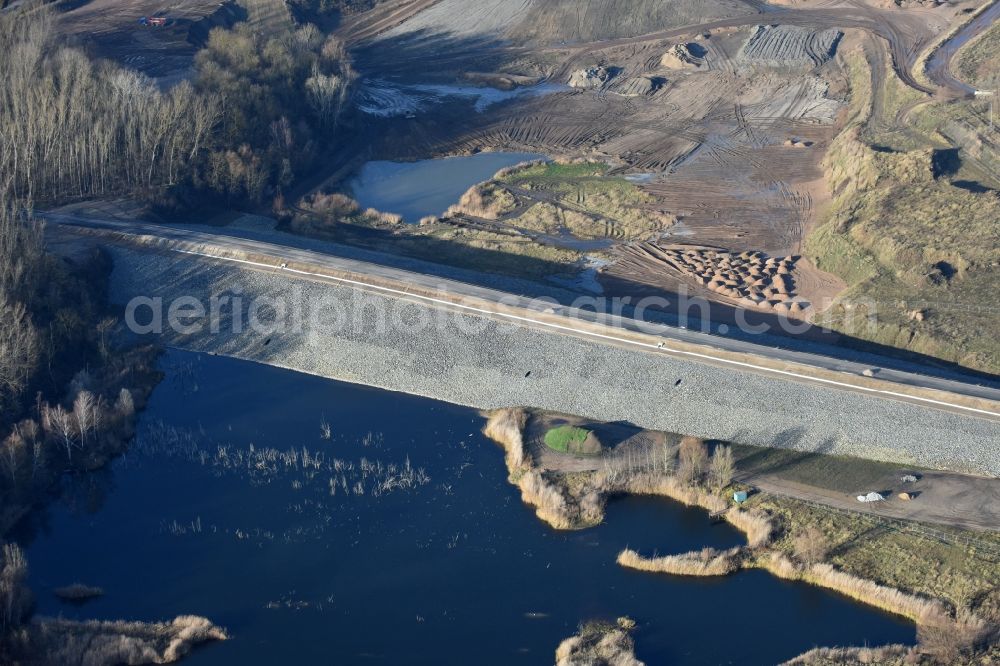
[(397, 540), (427, 187)]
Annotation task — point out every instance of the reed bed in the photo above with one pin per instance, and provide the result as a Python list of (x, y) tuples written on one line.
[(506, 427), (120, 642), (704, 562), (866, 591)]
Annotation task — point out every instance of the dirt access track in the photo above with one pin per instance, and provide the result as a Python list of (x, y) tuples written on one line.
[(940, 498)]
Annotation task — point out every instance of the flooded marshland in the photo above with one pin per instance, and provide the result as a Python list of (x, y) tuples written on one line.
[(325, 522)]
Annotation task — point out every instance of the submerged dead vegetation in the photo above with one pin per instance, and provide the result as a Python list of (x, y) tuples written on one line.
[(782, 537)]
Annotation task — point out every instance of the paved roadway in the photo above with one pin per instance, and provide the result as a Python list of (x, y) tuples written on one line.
[(450, 294)]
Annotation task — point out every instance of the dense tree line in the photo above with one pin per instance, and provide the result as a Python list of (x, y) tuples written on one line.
[(259, 108), (70, 127), (258, 111), (282, 98)]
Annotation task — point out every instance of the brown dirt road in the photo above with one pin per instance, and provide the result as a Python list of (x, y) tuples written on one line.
[(941, 498)]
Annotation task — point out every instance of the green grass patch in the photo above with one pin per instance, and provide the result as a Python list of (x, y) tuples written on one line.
[(844, 474), (583, 200), (570, 439), (555, 171)]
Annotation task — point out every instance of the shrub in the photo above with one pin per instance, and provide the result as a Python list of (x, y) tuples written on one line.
[(336, 206), (952, 640), (810, 545)]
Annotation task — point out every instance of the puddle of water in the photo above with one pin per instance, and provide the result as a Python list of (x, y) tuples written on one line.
[(213, 514), (388, 100), (427, 187)]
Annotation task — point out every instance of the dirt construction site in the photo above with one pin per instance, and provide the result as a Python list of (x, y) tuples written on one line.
[(712, 117), (719, 112)]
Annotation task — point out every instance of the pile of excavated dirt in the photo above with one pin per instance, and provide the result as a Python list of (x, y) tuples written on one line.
[(789, 46), (683, 56), (590, 78), (640, 86)]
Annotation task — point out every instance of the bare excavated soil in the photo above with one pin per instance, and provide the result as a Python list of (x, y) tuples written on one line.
[(722, 113), (111, 29), (722, 110)]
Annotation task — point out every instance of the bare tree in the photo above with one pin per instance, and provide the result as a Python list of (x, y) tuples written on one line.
[(15, 598), (88, 409), (13, 449), (125, 404), (104, 327), (19, 350), (62, 425), (721, 468), (811, 545), (83, 411), (327, 94), (693, 458)]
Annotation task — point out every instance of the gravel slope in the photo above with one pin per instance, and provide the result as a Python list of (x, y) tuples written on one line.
[(481, 363)]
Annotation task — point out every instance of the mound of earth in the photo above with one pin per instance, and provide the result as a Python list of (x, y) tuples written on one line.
[(640, 86), (789, 46), (590, 78), (683, 56)]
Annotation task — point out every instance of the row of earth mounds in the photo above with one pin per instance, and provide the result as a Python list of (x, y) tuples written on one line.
[(599, 77), (787, 45), (751, 278), (768, 45)]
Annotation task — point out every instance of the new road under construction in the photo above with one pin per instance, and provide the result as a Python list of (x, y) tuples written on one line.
[(403, 331)]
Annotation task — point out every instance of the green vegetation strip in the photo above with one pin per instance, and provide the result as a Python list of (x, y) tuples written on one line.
[(568, 439)]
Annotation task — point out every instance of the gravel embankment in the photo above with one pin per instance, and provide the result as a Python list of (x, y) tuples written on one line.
[(486, 364)]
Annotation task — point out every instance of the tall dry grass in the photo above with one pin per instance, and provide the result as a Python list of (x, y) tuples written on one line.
[(756, 525), (866, 591), (598, 643), (704, 562), (96, 643), (953, 640), (549, 502), (506, 427), (886, 654), (649, 483)]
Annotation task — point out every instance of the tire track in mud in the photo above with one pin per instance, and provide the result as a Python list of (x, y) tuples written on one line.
[(382, 19), (904, 48)]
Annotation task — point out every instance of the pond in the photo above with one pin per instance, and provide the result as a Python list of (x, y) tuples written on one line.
[(427, 187), (397, 540)]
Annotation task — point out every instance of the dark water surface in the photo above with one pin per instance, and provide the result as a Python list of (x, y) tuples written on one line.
[(427, 187), (435, 563)]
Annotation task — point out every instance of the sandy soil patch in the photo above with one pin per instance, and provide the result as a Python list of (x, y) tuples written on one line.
[(463, 18)]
